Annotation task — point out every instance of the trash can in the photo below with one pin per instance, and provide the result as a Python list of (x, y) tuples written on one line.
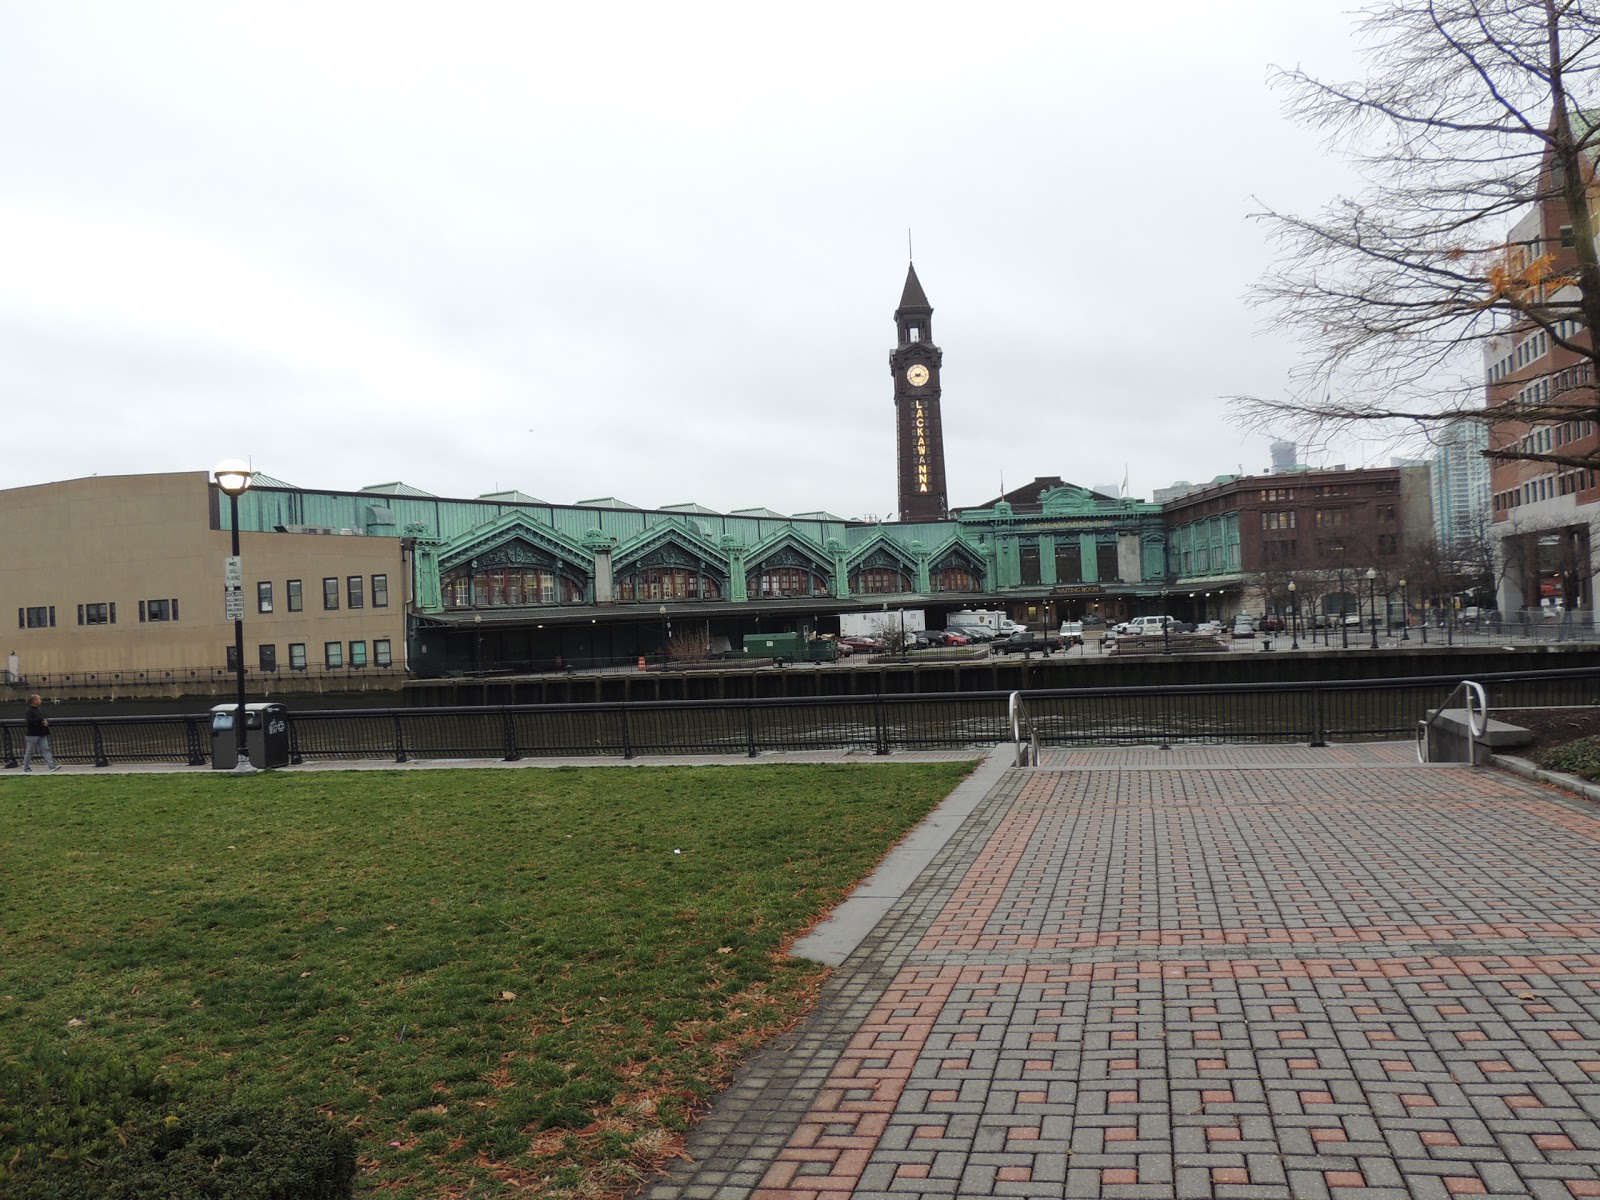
[(266, 736)]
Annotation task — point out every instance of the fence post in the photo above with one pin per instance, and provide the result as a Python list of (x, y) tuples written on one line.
[(627, 734), (100, 759), (750, 730), (295, 756), (197, 754), (1318, 734), (11, 749), (510, 727), (399, 740), (882, 728)]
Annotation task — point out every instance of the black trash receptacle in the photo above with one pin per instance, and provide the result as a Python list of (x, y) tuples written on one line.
[(266, 732), (266, 736)]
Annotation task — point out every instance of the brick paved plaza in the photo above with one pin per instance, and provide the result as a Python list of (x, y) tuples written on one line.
[(1220, 971)]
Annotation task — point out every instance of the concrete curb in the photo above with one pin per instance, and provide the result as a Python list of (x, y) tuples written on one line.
[(1526, 770), (836, 937)]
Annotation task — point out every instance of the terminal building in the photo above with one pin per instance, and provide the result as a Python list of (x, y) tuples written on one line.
[(390, 579)]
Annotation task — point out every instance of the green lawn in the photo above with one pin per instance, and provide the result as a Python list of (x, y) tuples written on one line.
[(496, 979)]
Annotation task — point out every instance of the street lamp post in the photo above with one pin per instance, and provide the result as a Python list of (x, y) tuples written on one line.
[(1294, 618), (665, 635), (233, 477), (1405, 613), (1372, 602), (1344, 600), (1166, 627)]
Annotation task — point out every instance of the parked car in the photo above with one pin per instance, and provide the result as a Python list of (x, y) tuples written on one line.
[(1071, 634), (973, 633), (1093, 621), (842, 648), (1027, 642), (1272, 622), (861, 645), (953, 638), (1210, 628), (1244, 625)]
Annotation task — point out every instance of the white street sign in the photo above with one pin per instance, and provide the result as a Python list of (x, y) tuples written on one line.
[(235, 605), (233, 572)]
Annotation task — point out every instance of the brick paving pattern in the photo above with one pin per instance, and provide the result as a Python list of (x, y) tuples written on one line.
[(1135, 973)]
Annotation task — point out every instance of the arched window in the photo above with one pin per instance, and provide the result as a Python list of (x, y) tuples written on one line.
[(954, 579), (508, 587), (786, 581), (667, 583), (872, 580)]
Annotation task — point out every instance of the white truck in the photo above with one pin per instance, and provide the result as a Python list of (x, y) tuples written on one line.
[(873, 624), (992, 622)]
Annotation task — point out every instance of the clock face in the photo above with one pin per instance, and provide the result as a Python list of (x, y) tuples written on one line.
[(917, 375)]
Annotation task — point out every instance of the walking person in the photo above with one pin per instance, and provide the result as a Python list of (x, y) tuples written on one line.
[(38, 735)]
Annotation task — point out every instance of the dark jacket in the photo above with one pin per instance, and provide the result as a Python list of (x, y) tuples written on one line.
[(37, 725)]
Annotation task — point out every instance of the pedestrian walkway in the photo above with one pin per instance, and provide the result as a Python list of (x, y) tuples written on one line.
[(1249, 972)]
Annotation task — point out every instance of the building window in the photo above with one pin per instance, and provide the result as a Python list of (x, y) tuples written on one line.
[(1029, 565), (333, 654), (297, 656), (880, 580), (297, 600), (268, 657), (42, 617), (330, 592), (954, 579), (1105, 560), (1385, 512), (358, 654), (786, 581), (380, 653), (1069, 563), (158, 610), (515, 587), (380, 591), (264, 596), (232, 657), (667, 583), (353, 592), (97, 614)]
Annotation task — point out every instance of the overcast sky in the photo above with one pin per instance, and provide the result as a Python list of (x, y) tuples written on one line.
[(650, 252)]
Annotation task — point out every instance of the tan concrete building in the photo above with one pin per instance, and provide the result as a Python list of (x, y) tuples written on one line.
[(122, 576)]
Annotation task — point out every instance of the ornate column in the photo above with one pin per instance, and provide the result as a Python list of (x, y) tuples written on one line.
[(601, 545)]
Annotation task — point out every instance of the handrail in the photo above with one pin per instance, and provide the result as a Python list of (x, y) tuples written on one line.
[(1477, 722), (1020, 721)]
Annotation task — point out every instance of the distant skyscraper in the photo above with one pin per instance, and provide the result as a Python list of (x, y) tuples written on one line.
[(1459, 479), (1283, 457)]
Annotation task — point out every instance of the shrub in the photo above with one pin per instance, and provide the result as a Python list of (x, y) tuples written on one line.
[(77, 1127), (1580, 758)]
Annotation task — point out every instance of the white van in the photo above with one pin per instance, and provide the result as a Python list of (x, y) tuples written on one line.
[(1146, 626)]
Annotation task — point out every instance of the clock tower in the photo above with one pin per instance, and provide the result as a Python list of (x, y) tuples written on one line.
[(919, 433)]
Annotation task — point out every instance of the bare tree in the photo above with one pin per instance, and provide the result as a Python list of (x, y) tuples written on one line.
[(1473, 117)]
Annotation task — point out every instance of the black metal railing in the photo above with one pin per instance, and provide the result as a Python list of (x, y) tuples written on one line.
[(1272, 712), (154, 676)]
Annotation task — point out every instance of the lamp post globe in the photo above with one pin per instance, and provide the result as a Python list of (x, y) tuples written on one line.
[(233, 477)]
